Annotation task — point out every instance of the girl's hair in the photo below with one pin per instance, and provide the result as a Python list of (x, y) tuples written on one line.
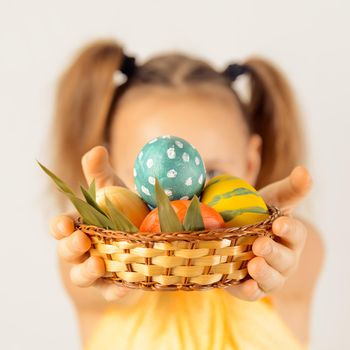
[(87, 95)]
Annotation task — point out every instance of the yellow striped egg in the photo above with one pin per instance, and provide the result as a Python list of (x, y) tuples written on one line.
[(236, 200)]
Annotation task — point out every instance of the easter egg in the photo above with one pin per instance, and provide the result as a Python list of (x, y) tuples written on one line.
[(176, 164), (236, 200), (126, 201), (211, 218)]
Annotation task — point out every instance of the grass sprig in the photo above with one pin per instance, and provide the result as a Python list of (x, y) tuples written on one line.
[(193, 219), (91, 213), (169, 222)]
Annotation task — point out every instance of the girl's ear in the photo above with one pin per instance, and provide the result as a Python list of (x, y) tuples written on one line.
[(253, 158)]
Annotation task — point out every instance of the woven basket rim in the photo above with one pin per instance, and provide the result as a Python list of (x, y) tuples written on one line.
[(203, 235)]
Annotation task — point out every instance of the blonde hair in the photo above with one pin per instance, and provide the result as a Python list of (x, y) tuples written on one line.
[(86, 98)]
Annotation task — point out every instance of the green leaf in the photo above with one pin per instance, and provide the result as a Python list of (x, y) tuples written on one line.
[(92, 189), (89, 199), (120, 221), (60, 183), (90, 215), (84, 210), (169, 222), (193, 220)]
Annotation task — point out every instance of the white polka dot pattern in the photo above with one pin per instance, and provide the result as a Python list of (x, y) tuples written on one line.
[(171, 153), (152, 180), (168, 192), (145, 190), (179, 144), (149, 163), (188, 181), (172, 173), (200, 179), (185, 157), (177, 165)]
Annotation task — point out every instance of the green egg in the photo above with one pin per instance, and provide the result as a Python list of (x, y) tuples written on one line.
[(176, 164)]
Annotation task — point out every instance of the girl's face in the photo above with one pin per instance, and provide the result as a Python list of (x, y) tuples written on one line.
[(207, 117)]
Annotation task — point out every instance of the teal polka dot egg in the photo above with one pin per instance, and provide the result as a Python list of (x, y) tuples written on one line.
[(176, 164)]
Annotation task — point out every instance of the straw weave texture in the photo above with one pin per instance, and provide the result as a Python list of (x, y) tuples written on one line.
[(194, 260)]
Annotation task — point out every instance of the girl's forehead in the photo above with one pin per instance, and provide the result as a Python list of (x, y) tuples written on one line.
[(212, 123)]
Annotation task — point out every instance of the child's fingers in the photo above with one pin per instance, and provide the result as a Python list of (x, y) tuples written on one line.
[(267, 277), (110, 291), (287, 193), (86, 273), (292, 232), (276, 255), (73, 247), (248, 290), (96, 165), (62, 225)]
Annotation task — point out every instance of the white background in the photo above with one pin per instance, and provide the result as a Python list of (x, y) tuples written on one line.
[(308, 39)]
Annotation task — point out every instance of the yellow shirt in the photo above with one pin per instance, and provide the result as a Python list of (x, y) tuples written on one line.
[(196, 320)]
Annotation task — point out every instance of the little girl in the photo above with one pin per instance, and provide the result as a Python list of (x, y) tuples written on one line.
[(100, 125)]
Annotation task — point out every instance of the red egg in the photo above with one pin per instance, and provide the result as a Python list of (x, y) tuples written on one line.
[(211, 218)]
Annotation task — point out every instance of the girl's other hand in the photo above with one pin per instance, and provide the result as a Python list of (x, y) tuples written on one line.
[(73, 245), (275, 261)]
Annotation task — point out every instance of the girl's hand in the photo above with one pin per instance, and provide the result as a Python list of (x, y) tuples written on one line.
[(73, 245), (275, 261)]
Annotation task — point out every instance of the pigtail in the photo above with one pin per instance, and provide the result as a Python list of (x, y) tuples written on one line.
[(84, 95), (273, 114)]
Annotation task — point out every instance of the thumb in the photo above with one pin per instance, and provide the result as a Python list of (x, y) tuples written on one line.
[(96, 165), (288, 192)]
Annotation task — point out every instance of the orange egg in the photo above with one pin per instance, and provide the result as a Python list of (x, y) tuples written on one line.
[(211, 218)]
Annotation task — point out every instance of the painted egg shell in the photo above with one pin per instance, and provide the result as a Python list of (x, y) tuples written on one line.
[(211, 218), (236, 200), (175, 163)]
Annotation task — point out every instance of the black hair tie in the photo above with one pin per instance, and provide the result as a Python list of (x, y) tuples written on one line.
[(128, 66), (234, 70)]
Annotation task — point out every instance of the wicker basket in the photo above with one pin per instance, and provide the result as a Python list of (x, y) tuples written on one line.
[(178, 260)]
